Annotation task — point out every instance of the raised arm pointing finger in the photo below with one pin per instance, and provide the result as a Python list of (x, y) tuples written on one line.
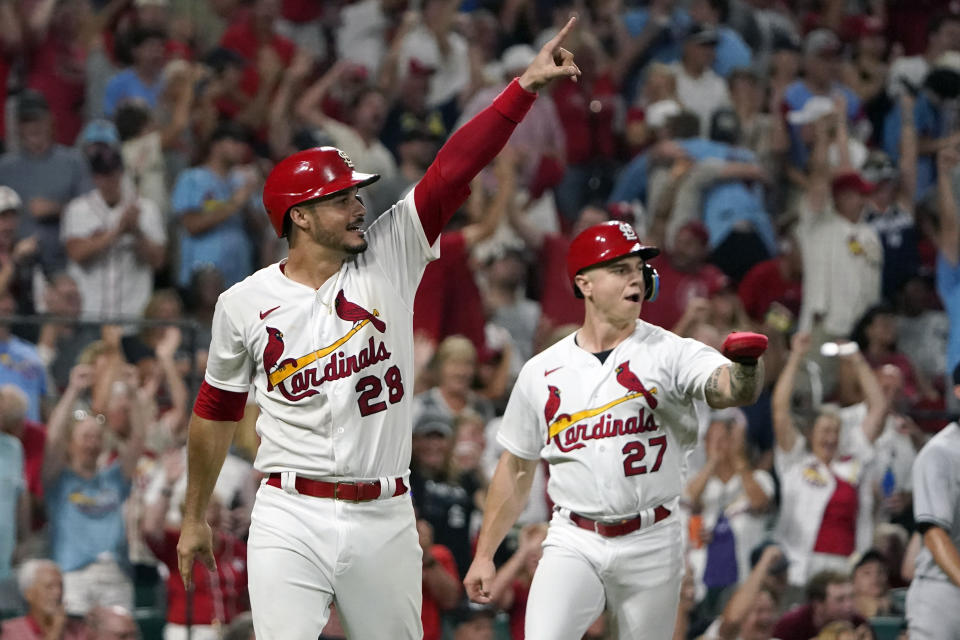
[(552, 61)]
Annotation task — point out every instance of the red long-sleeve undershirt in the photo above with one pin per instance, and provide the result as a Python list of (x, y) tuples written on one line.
[(446, 184)]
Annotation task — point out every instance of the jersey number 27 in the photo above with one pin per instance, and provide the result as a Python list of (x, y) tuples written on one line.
[(636, 451)]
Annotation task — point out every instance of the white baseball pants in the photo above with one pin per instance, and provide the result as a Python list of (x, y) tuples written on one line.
[(637, 576), (304, 552)]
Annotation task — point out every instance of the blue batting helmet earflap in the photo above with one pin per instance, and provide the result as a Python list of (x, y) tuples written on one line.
[(651, 283)]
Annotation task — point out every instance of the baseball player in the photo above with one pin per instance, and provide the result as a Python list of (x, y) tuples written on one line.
[(326, 338), (934, 594), (611, 409)]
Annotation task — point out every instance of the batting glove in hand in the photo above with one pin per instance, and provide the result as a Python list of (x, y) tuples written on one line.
[(744, 347)]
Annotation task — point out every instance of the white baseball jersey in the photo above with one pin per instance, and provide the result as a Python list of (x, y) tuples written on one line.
[(332, 367), (616, 434)]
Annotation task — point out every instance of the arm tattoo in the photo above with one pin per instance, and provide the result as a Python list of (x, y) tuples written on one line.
[(745, 382), (712, 388)]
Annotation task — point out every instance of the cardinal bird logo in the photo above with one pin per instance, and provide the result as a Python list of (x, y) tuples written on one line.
[(632, 383), (353, 312), (553, 403), (551, 407), (272, 353)]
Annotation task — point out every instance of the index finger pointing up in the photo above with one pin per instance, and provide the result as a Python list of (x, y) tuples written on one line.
[(558, 39)]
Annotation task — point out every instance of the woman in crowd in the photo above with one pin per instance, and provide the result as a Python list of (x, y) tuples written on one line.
[(454, 368), (826, 500), (85, 499)]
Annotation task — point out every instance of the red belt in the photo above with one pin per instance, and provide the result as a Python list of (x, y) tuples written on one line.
[(349, 491), (612, 530)]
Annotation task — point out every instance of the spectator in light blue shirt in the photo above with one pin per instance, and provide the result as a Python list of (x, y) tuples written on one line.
[(664, 26), (144, 80), (732, 51), (13, 496), (726, 204), (85, 500), (20, 363), (212, 203), (821, 67), (948, 256)]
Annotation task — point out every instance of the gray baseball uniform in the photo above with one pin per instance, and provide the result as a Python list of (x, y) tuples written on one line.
[(932, 601)]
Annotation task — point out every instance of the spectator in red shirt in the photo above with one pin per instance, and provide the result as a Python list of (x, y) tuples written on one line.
[(684, 274), (111, 623), (223, 95), (511, 584), (777, 280), (41, 584), (11, 40), (252, 33), (587, 110), (218, 596), (55, 61), (876, 334), (441, 582), (829, 598), (448, 301)]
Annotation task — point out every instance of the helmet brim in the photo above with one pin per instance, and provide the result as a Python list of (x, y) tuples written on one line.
[(645, 254), (356, 179)]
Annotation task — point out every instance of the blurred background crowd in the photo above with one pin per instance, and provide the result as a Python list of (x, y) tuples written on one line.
[(796, 159)]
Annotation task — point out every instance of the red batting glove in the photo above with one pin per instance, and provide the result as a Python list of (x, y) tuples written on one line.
[(745, 347)]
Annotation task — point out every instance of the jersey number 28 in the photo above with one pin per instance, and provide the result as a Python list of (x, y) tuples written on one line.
[(370, 388), (636, 451)]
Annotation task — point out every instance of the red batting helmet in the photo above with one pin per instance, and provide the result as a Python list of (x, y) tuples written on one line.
[(308, 175), (605, 242)]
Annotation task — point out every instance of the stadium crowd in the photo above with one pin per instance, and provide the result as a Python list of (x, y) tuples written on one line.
[(797, 160)]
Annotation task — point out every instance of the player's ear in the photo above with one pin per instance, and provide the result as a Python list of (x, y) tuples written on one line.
[(299, 217), (583, 283)]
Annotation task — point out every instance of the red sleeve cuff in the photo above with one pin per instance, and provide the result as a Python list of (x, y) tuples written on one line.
[(514, 101), (219, 405)]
